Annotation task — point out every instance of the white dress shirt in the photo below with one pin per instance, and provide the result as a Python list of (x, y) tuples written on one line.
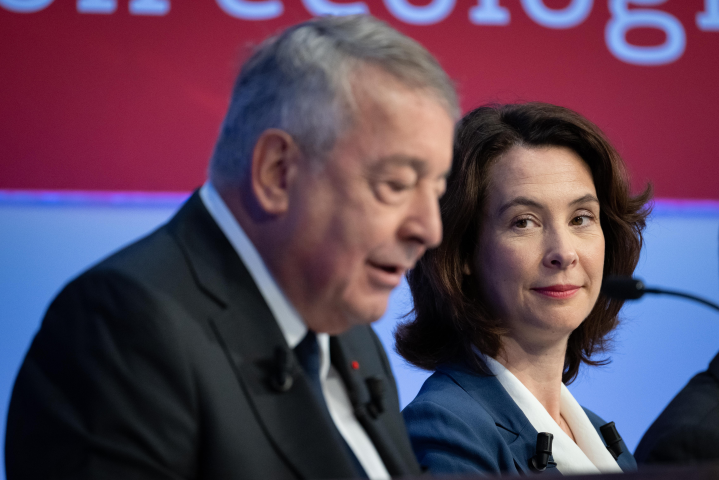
[(294, 330), (588, 455)]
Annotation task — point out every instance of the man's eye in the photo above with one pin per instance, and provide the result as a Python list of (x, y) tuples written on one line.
[(397, 186)]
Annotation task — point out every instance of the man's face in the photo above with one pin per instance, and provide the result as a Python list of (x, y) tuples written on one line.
[(361, 221)]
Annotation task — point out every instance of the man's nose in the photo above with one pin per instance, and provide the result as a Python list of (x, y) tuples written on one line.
[(560, 249), (423, 223)]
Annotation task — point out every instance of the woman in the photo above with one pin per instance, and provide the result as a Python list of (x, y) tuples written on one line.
[(537, 211)]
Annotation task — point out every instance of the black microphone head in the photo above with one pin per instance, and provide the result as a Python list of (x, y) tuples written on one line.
[(622, 288), (612, 439), (540, 460), (544, 443)]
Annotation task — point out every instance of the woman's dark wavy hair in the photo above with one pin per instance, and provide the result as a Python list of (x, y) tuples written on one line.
[(450, 317)]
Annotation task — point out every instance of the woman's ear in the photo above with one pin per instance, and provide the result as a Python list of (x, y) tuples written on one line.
[(465, 269), (274, 166)]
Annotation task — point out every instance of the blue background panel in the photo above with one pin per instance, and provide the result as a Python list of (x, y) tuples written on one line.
[(662, 342)]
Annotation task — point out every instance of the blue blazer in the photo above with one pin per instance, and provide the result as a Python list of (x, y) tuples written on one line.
[(463, 422)]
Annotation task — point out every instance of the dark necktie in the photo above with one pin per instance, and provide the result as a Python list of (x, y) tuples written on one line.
[(308, 353)]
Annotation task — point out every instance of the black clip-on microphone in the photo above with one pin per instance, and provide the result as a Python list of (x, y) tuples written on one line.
[(281, 379), (540, 460), (612, 439), (376, 388), (628, 288)]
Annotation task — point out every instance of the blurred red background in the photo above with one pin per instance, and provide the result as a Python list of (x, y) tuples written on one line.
[(122, 101)]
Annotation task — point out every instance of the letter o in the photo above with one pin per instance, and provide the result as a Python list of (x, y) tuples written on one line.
[(624, 20), (567, 17), (430, 14), (25, 6), (245, 10), (326, 7)]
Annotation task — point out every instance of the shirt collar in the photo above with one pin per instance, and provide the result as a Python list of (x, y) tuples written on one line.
[(588, 455), (289, 321)]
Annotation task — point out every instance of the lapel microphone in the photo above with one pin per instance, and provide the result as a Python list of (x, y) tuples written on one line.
[(629, 288), (540, 460), (281, 379), (612, 439), (376, 388)]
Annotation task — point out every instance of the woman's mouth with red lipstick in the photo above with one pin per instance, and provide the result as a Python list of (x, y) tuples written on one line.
[(557, 291)]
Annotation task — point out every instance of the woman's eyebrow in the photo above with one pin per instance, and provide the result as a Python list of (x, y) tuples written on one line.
[(588, 198), (523, 201)]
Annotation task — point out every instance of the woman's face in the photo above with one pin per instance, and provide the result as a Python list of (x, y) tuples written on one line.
[(541, 248)]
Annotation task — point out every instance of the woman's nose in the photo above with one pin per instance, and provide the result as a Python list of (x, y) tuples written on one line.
[(560, 250)]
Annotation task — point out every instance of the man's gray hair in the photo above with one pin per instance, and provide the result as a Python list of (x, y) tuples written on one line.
[(299, 81)]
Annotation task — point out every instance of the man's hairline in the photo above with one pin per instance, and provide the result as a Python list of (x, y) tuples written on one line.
[(348, 98)]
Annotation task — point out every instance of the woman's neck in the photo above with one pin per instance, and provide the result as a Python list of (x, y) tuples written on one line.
[(540, 369)]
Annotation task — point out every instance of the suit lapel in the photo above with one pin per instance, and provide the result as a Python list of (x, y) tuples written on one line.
[(249, 335), (294, 420), (385, 428)]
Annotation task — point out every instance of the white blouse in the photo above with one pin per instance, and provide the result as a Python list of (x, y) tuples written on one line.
[(588, 455)]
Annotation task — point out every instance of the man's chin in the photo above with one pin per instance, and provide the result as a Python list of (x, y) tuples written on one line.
[(364, 311), (370, 312)]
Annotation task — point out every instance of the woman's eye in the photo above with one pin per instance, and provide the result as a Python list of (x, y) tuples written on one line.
[(580, 220), (523, 222)]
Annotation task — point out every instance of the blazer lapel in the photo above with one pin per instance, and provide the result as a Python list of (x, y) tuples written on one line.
[(249, 335), (487, 391), (714, 367), (375, 406)]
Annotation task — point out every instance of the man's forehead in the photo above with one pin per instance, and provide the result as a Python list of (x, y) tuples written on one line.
[(373, 90)]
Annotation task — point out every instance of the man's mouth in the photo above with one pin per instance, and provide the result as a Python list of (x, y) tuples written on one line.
[(387, 275)]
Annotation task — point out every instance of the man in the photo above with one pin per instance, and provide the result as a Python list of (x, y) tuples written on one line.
[(234, 342), (687, 431)]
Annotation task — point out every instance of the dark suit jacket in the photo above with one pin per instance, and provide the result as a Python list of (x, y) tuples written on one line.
[(155, 364), (462, 422), (687, 431)]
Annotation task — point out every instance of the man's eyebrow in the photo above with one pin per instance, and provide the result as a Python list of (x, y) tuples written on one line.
[(419, 165)]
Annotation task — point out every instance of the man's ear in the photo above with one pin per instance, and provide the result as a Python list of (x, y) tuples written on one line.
[(274, 165)]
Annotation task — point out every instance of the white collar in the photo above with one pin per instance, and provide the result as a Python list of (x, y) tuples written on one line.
[(588, 455), (288, 319)]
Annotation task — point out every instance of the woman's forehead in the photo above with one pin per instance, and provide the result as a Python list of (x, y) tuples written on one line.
[(538, 171)]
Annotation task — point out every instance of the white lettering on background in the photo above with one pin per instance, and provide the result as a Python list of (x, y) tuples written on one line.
[(149, 7), (434, 12), (252, 10), (97, 6), (623, 20), (625, 16), (488, 12), (326, 7), (24, 6), (570, 16), (708, 20)]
